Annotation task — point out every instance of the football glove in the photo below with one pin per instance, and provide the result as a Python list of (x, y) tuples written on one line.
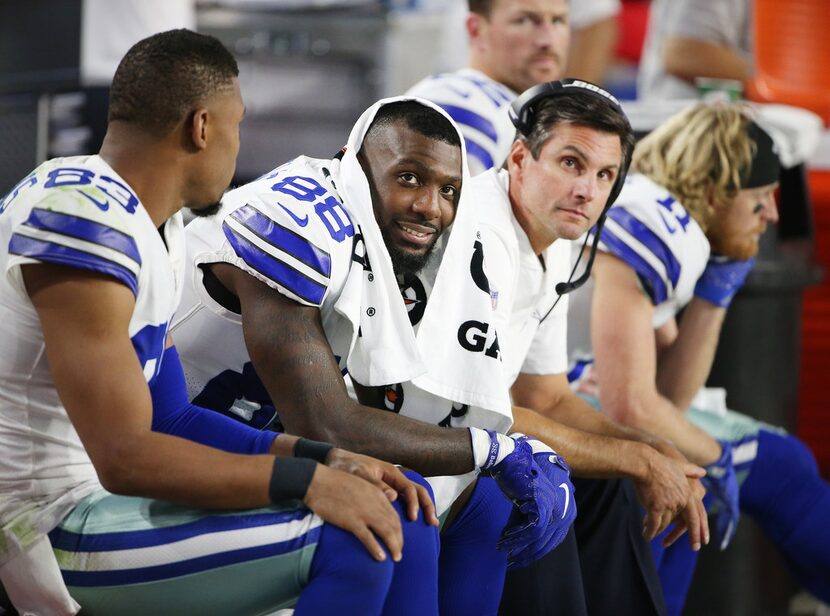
[(722, 485), (722, 279), (536, 521)]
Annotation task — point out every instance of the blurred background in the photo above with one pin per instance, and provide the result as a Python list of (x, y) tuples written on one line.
[(308, 68)]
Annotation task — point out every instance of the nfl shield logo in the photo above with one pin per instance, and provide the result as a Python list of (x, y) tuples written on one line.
[(494, 298)]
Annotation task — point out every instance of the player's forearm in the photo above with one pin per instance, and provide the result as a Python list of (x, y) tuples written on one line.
[(683, 366), (425, 448), (154, 465), (588, 454), (575, 412), (690, 58), (656, 415)]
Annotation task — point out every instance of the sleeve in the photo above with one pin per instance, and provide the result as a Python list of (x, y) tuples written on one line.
[(476, 108), (587, 12), (644, 248), (78, 227), (173, 414), (706, 20), (286, 241), (548, 352)]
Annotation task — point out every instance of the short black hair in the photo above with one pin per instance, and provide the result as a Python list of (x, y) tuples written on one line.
[(164, 77), (418, 117), (581, 109)]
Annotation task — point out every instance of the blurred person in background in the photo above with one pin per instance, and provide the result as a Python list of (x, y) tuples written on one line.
[(687, 39)]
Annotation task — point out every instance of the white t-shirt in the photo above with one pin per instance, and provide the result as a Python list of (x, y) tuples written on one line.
[(76, 212), (533, 337), (479, 106)]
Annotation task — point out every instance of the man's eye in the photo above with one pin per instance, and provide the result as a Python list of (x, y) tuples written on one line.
[(449, 190), (409, 178)]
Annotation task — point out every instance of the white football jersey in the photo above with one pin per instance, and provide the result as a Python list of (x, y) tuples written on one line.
[(289, 230), (652, 233), (479, 107), (76, 212)]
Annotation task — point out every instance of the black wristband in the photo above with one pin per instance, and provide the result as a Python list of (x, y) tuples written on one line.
[(290, 478), (306, 448)]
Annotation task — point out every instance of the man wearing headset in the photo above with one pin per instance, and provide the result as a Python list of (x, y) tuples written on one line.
[(566, 164), (515, 44)]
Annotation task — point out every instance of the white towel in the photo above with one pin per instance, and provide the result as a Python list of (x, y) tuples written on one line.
[(432, 365), (388, 351)]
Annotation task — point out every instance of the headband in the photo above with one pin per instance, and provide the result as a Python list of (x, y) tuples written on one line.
[(765, 166)]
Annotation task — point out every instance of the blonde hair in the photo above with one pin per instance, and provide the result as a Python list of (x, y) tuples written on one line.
[(699, 155)]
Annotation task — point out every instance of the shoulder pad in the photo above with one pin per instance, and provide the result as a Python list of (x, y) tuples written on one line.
[(81, 217), (286, 230)]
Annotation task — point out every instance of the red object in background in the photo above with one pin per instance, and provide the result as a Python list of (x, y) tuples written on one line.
[(792, 54), (632, 22), (814, 388)]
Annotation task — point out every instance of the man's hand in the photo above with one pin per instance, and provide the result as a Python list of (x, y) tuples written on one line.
[(664, 490), (542, 512), (692, 518), (721, 483), (388, 478), (358, 507), (722, 279)]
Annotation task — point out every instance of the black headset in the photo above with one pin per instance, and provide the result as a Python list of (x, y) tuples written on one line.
[(522, 113)]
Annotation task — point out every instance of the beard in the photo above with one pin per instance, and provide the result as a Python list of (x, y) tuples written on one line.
[(204, 211), (738, 246), (403, 261)]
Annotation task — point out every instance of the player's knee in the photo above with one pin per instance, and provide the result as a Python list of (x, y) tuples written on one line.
[(784, 451), (341, 556)]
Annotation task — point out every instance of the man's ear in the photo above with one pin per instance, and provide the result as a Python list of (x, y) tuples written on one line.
[(198, 128), (475, 25), (518, 156)]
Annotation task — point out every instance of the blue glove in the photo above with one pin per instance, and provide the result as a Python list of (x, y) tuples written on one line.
[(720, 482), (721, 279), (533, 523), (559, 474)]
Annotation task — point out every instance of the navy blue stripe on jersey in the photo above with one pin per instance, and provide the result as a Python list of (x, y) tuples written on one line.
[(84, 229), (272, 268), (472, 119), (478, 152), (49, 252), (283, 239), (652, 281), (192, 565), (649, 239)]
